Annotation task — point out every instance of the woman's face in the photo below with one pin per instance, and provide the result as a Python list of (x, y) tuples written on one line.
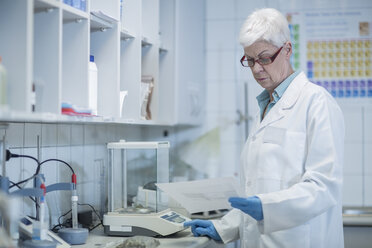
[(271, 75)]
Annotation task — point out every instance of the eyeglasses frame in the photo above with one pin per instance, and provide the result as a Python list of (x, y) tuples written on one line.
[(272, 58)]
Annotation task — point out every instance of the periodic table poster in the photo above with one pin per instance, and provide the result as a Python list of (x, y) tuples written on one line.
[(334, 47)]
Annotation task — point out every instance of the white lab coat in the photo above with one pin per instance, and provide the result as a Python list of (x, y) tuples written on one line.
[(292, 161)]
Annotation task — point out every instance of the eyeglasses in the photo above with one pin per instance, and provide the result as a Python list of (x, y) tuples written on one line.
[(262, 61)]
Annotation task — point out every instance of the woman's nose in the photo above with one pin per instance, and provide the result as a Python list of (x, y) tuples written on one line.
[(257, 68)]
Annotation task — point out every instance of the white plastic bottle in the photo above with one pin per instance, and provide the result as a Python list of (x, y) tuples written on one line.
[(3, 86), (92, 86)]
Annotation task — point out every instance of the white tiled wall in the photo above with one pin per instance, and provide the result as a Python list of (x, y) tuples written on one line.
[(358, 158)]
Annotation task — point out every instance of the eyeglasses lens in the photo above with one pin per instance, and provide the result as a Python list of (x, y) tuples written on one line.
[(264, 61)]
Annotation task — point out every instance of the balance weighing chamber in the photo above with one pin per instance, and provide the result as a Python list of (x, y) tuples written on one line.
[(135, 205)]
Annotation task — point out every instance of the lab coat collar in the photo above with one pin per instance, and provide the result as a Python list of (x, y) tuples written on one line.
[(293, 91), (287, 101)]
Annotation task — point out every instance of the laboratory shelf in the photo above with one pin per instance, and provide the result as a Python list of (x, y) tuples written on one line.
[(163, 49), (99, 24), (45, 5), (7, 116), (126, 35), (140, 39), (71, 14), (146, 42)]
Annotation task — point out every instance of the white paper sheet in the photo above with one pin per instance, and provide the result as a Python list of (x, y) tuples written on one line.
[(202, 195)]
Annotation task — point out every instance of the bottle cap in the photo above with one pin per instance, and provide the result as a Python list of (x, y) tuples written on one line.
[(91, 58)]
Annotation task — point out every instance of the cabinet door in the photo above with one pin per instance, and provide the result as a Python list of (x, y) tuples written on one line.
[(190, 60)]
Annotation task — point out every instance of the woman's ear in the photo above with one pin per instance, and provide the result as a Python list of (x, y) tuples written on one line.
[(288, 49)]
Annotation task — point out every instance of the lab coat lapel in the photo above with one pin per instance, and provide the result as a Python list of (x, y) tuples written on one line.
[(275, 114), (286, 102), (256, 125)]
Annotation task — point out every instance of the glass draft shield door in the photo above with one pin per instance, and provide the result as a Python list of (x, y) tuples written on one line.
[(134, 168)]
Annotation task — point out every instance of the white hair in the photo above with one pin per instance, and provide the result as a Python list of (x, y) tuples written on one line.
[(265, 24)]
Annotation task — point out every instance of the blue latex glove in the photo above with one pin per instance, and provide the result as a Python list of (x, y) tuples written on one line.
[(203, 228), (251, 205)]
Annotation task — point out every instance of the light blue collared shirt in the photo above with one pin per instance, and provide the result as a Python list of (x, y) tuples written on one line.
[(263, 99)]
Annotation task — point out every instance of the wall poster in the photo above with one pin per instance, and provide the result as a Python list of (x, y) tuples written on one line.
[(334, 48)]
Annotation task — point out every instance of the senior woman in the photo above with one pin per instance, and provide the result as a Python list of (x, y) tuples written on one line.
[(291, 164)]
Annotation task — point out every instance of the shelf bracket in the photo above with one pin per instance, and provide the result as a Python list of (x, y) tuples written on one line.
[(49, 10)]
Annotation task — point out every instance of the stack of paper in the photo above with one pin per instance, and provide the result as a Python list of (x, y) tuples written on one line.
[(202, 195)]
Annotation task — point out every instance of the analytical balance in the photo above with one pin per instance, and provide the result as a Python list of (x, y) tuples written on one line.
[(136, 206)]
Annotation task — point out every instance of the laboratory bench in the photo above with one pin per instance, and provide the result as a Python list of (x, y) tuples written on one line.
[(357, 226), (98, 239)]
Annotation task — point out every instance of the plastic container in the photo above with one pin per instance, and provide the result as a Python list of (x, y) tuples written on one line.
[(3, 86), (92, 86)]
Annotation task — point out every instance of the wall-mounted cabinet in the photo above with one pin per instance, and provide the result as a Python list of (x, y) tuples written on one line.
[(46, 45)]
